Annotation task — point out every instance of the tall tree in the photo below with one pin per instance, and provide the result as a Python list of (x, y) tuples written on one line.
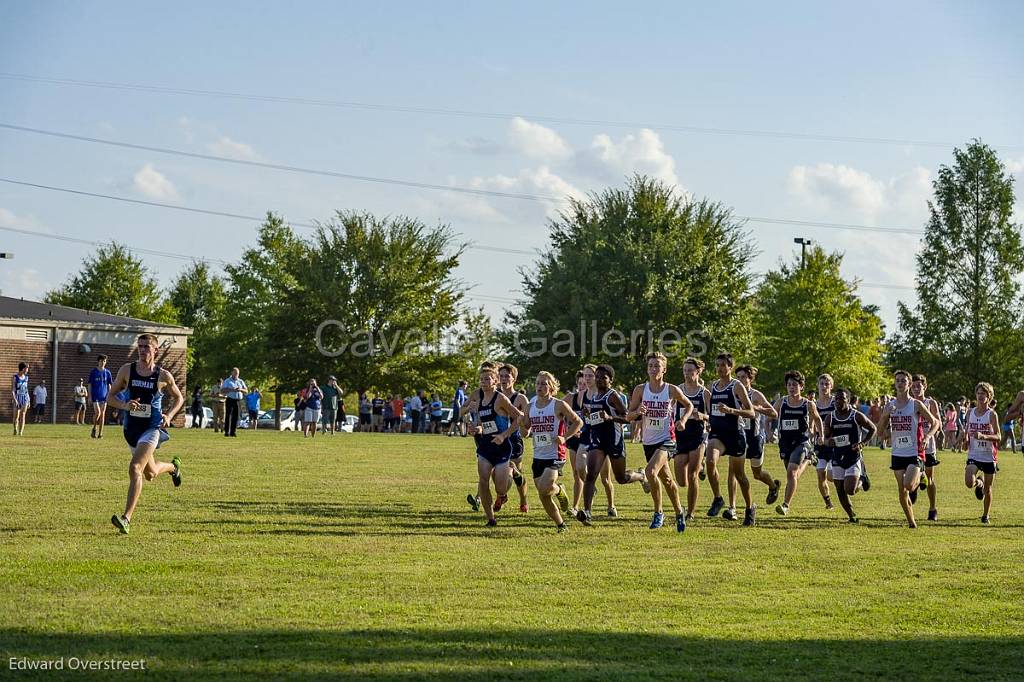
[(629, 270), (967, 324), (114, 281), (199, 297), (810, 319)]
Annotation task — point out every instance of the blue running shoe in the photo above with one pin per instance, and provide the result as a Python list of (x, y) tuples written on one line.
[(658, 521), (680, 523)]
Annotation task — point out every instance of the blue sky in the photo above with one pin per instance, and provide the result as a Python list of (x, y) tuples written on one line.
[(915, 71)]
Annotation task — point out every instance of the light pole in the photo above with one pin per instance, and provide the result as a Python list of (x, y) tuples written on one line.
[(804, 243), (5, 255)]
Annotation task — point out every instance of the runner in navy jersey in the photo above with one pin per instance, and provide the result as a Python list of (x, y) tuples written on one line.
[(551, 423), (497, 418), (846, 432), (507, 376), (756, 435), (653, 403), (798, 418), (729, 404), (145, 424), (691, 441), (904, 418), (604, 414), (824, 403), (590, 390)]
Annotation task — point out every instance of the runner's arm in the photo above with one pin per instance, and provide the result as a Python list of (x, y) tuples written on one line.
[(883, 430), (179, 400), (745, 408), (120, 383), (570, 418), (762, 406), (688, 408), (868, 426), (636, 407)]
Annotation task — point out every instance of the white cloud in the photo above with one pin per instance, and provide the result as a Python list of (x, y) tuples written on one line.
[(185, 124), (642, 153), (154, 184), (537, 142), (11, 219), (1015, 166), (23, 283), (233, 149), (832, 187)]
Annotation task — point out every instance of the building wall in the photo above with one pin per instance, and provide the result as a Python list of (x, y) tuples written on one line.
[(73, 365)]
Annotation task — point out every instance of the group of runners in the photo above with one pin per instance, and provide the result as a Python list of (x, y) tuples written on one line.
[(688, 428)]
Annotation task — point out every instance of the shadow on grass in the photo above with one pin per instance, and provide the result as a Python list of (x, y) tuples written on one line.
[(525, 654)]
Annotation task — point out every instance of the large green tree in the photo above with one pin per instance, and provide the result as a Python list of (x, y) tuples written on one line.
[(629, 270), (199, 297), (114, 281), (810, 319), (967, 324)]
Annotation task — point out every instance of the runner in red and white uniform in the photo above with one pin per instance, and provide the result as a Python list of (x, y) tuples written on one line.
[(983, 435), (918, 387), (905, 418), (654, 403), (551, 422)]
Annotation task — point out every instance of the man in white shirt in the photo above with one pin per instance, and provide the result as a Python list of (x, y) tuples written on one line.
[(415, 408), (39, 395), (234, 389)]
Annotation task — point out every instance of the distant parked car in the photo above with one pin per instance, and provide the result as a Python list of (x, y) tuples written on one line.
[(350, 423), (205, 421), (446, 417), (266, 420)]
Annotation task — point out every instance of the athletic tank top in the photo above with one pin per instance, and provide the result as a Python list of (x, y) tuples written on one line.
[(929, 445), (599, 427), (906, 430), (144, 389), (512, 399), (491, 422), (752, 426), (658, 424), (694, 426), (546, 426), (846, 433), (824, 412), (792, 424), (720, 422), (21, 385), (979, 450)]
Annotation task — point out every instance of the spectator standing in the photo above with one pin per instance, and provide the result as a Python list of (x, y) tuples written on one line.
[(219, 406), (252, 406), (100, 380), (457, 424), (415, 410), (197, 407), (435, 413), (378, 413), (365, 411), (314, 401), (233, 389), (81, 393), (331, 400), (39, 396), (398, 412)]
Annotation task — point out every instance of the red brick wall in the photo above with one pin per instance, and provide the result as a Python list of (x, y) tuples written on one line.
[(73, 366)]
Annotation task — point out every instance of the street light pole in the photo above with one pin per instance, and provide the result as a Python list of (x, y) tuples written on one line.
[(804, 243), (6, 255)]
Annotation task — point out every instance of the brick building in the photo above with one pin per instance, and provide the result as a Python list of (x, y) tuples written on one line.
[(60, 345)]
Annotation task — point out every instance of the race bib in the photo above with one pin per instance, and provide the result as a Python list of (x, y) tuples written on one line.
[(716, 410), (142, 411), (790, 424), (543, 440), (655, 422), (903, 441), (595, 418), (744, 423), (489, 427), (842, 441)]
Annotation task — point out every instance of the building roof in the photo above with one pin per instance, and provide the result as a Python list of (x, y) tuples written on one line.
[(47, 313)]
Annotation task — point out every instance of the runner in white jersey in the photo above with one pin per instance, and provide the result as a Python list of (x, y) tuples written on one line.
[(904, 418), (983, 436), (551, 422), (918, 387), (756, 434), (654, 402)]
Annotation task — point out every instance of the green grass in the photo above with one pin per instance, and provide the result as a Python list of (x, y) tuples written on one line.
[(357, 557)]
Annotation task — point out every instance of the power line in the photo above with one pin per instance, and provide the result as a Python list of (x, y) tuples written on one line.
[(220, 214), (87, 242), (464, 113)]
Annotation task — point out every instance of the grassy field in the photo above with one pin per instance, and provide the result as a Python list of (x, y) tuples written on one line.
[(357, 557)]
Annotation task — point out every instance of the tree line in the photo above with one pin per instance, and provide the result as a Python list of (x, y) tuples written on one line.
[(375, 300)]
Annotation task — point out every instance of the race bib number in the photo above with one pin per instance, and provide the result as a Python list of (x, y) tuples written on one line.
[(595, 418), (655, 422), (543, 440), (716, 410), (903, 441), (790, 424), (744, 423), (489, 427), (142, 411), (842, 441)]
